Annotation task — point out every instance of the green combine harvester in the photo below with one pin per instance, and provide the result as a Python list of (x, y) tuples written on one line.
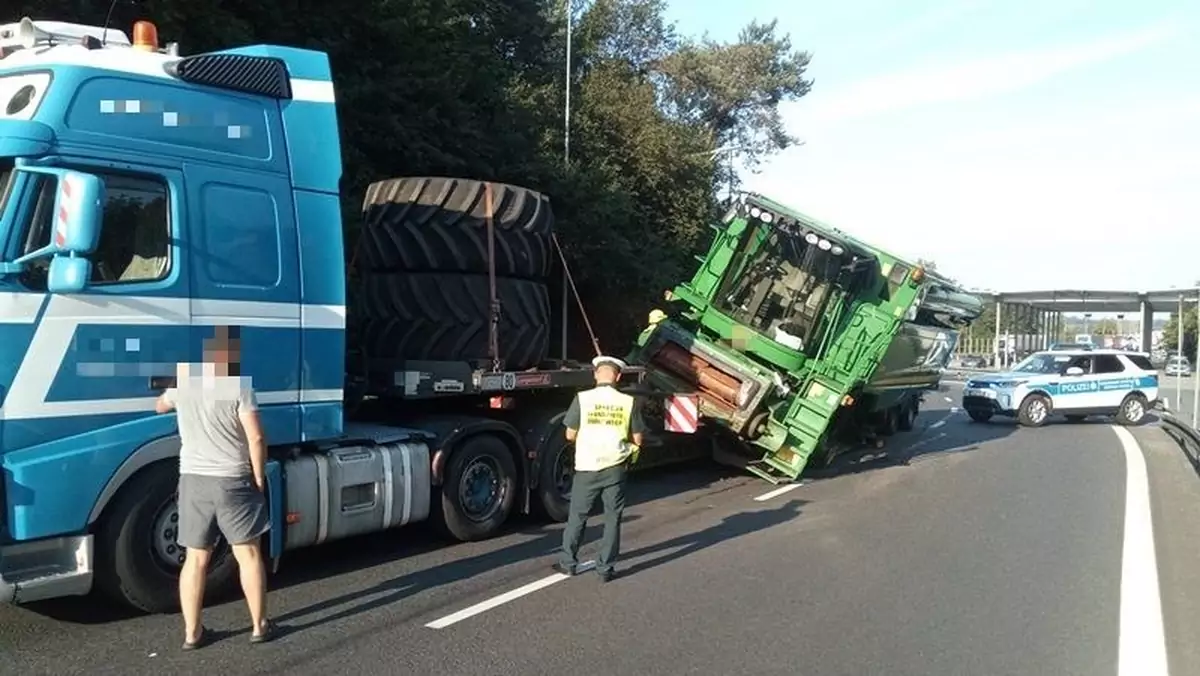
[(799, 341)]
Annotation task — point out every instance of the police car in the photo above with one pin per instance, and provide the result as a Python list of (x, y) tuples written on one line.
[(1074, 382)]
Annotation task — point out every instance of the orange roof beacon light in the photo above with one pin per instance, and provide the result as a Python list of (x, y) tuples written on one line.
[(145, 36), (918, 274)]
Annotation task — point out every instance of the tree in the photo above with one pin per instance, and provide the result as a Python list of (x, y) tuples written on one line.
[(1170, 339)]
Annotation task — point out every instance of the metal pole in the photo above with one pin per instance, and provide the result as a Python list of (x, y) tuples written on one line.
[(566, 307), (996, 337), (1178, 350), (1196, 371)]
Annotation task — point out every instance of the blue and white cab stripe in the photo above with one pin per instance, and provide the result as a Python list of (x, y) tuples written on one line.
[(51, 342), (136, 62)]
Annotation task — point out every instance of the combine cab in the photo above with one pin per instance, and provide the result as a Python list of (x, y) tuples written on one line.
[(799, 340)]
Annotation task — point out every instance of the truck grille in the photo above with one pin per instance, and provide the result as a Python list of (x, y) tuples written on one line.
[(715, 387)]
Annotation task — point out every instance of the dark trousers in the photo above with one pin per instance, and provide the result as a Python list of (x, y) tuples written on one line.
[(609, 485)]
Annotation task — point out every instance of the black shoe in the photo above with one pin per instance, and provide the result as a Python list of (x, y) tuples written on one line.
[(607, 576), (564, 570), (200, 642)]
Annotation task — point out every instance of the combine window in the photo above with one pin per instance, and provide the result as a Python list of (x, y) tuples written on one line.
[(778, 285)]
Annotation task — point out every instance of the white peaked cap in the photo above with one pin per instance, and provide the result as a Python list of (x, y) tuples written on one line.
[(604, 360)]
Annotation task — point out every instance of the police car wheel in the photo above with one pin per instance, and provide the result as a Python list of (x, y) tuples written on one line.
[(1133, 410), (1035, 411)]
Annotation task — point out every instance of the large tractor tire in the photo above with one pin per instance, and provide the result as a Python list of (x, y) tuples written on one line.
[(446, 317), (440, 225)]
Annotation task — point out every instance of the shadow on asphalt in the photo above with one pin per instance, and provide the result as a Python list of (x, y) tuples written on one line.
[(730, 528), (375, 549), (957, 435)]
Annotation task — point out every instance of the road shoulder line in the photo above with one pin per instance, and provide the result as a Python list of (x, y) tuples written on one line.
[(1141, 649)]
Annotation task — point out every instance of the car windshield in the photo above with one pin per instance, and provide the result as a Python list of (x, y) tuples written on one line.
[(1178, 361), (1043, 362)]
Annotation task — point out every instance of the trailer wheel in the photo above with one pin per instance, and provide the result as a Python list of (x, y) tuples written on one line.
[(137, 559), (480, 489), (908, 416), (439, 225), (555, 478), (889, 421)]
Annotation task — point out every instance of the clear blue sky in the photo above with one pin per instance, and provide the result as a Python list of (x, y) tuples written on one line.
[(1020, 144)]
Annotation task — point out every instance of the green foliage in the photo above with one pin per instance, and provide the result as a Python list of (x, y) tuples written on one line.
[(1171, 332), (474, 88)]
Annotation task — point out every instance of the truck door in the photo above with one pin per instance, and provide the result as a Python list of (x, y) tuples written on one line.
[(92, 356), (245, 273)]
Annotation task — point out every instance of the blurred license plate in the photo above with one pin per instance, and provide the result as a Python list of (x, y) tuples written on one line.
[(979, 392)]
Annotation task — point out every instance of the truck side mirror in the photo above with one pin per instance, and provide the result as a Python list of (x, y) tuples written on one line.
[(78, 212)]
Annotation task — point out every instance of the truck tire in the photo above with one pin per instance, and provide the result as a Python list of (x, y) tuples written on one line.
[(439, 225), (479, 491), (554, 479), (908, 415), (445, 317), (137, 536)]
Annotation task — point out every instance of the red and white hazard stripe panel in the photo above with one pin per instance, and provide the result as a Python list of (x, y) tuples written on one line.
[(683, 414), (68, 201)]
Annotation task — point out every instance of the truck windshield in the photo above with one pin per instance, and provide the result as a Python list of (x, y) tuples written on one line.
[(6, 188), (778, 284)]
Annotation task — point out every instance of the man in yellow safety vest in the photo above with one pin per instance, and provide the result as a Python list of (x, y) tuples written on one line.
[(602, 422)]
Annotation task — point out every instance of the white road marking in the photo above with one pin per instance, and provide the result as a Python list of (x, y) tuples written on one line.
[(496, 601), (778, 492), (1141, 647), (937, 424), (948, 399)]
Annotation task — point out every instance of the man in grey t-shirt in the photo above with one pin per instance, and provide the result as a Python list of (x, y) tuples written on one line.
[(221, 481)]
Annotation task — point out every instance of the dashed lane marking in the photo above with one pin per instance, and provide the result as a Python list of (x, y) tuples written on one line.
[(778, 492), (506, 597)]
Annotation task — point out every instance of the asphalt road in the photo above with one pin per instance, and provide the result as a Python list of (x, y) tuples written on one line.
[(969, 549)]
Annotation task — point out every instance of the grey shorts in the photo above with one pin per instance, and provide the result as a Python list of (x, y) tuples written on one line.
[(209, 504)]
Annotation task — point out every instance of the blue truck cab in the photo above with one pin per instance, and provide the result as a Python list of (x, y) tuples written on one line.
[(145, 198)]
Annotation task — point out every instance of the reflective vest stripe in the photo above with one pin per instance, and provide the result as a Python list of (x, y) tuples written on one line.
[(604, 417)]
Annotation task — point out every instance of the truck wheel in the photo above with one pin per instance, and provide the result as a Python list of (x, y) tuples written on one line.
[(889, 421), (1034, 411), (137, 559), (446, 317), (979, 416), (908, 416), (1133, 410), (439, 225), (480, 489), (554, 480)]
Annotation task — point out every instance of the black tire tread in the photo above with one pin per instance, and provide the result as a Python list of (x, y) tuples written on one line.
[(439, 225), (445, 317)]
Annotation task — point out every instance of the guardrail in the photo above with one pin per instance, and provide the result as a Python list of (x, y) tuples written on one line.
[(1184, 434)]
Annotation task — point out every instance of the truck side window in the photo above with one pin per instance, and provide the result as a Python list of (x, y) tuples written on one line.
[(135, 240)]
